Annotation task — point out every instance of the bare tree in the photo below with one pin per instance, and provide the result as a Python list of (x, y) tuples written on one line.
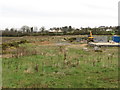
[(42, 29), (25, 28)]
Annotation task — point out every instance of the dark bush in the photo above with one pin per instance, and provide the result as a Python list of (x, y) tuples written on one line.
[(13, 44)]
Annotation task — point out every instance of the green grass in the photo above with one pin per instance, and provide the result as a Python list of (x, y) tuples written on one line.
[(84, 69)]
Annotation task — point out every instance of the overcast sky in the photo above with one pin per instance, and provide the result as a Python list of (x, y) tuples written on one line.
[(57, 13)]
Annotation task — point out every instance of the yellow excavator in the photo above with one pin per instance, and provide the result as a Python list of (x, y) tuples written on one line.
[(90, 37)]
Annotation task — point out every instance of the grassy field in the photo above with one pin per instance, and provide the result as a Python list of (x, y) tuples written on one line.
[(42, 63)]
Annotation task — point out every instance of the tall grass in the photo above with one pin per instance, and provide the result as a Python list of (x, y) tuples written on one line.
[(34, 65), (61, 67)]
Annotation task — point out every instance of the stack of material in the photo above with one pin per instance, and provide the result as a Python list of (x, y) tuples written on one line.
[(105, 44)]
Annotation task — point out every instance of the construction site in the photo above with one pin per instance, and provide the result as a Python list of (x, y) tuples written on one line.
[(104, 41)]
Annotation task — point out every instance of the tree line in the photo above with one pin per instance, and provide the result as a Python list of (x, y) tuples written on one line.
[(66, 30)]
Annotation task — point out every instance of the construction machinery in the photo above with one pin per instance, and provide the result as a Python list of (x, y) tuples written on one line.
[(90, 37)]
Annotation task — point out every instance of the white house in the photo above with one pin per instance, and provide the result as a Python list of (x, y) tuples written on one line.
[(55, 30), (108, 29)]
